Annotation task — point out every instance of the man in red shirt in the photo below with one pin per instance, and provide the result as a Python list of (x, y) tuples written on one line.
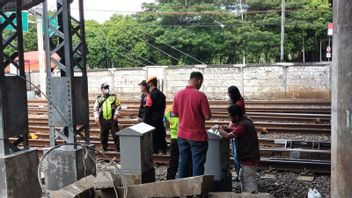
[(192, 108), (247, 149)]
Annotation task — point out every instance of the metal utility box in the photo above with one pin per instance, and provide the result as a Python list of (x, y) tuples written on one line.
[(218, 161), (136, 151)]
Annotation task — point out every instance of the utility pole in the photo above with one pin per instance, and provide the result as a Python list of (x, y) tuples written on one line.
[(42, 74), (320, 55), (68, 105), (303, 51), (18, 164), (341, 117), (241, 12), (282, 53)]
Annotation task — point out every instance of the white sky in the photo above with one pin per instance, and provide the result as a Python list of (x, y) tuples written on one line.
[(102, 10)]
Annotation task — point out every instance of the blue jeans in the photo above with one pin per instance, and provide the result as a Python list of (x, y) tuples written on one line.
[(195, 151), (236, 161)]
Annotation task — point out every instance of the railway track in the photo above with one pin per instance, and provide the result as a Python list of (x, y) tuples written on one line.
[(297, 117), (280, 158)]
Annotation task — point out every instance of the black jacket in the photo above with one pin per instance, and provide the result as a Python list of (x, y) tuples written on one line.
[(155, 112), (141, 106), (248, 144)]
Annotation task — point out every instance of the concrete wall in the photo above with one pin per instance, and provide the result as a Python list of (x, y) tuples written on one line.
[(308, 80)]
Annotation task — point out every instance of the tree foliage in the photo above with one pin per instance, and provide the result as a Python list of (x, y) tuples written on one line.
[(208, 32)]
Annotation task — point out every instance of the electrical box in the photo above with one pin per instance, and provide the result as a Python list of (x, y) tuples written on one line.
[(136, 151), (218, 161)]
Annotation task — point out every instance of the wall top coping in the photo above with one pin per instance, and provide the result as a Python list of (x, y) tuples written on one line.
[(286, 64)]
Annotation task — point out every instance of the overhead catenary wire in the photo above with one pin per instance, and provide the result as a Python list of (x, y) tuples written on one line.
[(130, 51), (146, 42), (130, 58), (184, 53), (225, 12)]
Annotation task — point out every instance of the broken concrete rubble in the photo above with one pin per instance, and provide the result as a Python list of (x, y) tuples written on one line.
[(192, 186), (238, 195), (82, 188), (105, 184)]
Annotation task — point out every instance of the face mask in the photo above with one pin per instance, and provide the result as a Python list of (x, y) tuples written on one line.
[(227, 98), (105, 91)]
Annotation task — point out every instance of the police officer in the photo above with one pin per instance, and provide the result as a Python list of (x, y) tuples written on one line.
[(107, 110)]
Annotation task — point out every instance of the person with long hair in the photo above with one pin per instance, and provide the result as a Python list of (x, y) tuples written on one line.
[(234, 97)]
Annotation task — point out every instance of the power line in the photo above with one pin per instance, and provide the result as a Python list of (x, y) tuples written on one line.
[(162, 51), (184, 53), (228, 12), (133, 59), (137, 55)]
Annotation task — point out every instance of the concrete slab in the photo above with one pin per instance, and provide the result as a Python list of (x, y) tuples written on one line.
[(133, 179), (81, 188), (192, 186), (105, 180), (238, 195), (18, 175), (65, 166)]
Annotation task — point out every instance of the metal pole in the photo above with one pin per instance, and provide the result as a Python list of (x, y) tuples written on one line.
[(241, 11), (282, 53), (303, 51), (329, 44), (320, 53), (341, 131), (42, 74)]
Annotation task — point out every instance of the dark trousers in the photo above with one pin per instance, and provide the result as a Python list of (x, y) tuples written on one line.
[(194, 150), (105, 127), (173, 163), (159, 135)]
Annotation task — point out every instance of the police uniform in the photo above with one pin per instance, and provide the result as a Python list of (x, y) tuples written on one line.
[(105, 108)]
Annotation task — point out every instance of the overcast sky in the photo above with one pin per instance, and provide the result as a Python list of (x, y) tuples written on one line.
[(101, 10)]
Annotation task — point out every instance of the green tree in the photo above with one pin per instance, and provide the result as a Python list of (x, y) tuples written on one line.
[(210, 32)]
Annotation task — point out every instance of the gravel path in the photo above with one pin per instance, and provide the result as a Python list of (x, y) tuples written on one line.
[(296, 136), (285, 185)]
